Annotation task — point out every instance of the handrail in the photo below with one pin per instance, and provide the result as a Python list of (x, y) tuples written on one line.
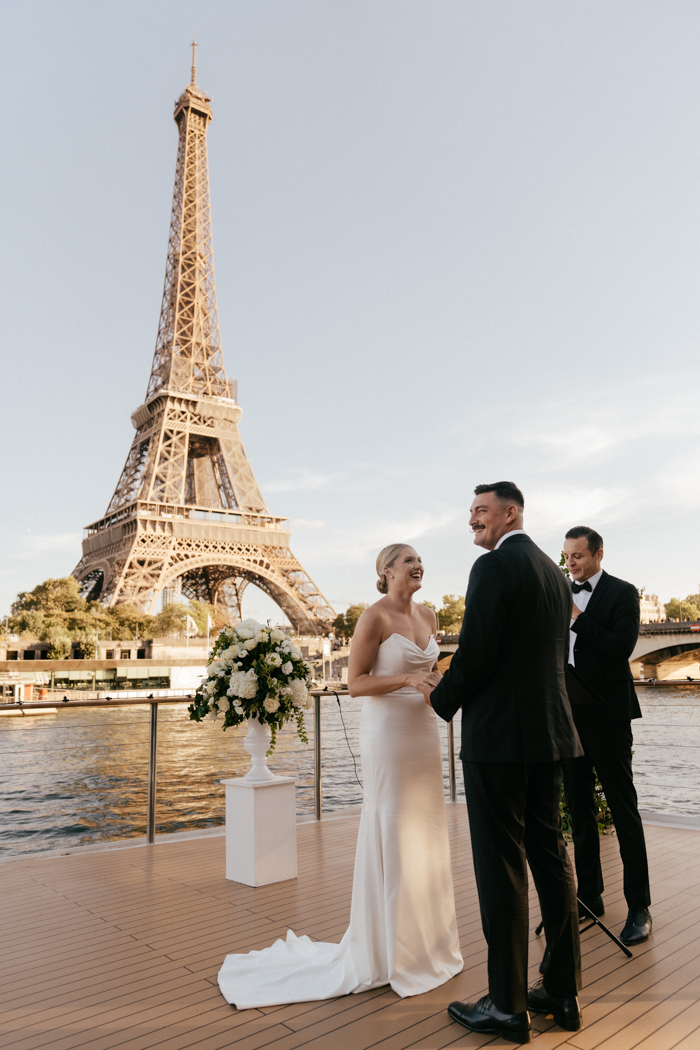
[(154, 701)]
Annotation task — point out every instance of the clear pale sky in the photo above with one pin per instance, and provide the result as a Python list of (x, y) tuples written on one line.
[(455, 242)]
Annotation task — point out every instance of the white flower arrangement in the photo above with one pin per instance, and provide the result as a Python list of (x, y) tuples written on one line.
[(255, 672)]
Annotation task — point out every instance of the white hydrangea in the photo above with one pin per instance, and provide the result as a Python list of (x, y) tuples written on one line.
[(274, 660), (300, 694), (244, 684), (288, 667), (271, 704), (248, 628)]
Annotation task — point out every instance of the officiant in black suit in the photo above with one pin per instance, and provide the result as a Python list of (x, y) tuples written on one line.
[(508, 677), (604, 630)]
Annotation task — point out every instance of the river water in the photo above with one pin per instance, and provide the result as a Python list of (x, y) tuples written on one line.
[(80, 776)]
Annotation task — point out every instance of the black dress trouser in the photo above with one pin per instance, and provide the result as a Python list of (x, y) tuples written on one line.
[(514, 818), (608, 752)]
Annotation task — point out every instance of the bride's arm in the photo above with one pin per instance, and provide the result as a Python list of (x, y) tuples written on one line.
[(363, 654)]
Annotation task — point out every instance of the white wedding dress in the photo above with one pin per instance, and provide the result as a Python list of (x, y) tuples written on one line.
[(403, 928)]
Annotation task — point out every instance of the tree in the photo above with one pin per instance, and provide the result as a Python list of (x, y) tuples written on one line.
[(127, 622), (199, 611), (51, 596), (172, 620), (451, 615), (344, 625), (688, 608)]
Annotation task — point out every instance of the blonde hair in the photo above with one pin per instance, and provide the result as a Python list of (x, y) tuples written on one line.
[(385, 559)]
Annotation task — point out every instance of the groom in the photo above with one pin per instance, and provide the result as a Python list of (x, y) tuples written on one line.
[(508, 677)]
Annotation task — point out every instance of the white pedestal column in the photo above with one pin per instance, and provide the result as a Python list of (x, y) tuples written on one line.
[(261, 831)]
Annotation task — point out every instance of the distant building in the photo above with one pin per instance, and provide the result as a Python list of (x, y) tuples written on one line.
[(651, 609)]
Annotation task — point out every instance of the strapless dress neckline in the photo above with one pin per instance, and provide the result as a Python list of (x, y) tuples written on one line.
[(410, 642)]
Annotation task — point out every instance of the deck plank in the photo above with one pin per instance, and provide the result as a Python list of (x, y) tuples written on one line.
[(119, 950)]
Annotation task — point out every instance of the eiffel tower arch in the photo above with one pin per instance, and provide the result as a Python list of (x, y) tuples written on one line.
[(187, 512)]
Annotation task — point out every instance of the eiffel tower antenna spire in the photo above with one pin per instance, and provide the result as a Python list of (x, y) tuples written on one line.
[(187, 514), (193, 80)]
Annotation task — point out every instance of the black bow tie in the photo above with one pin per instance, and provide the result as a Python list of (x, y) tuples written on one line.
[(576, 587)]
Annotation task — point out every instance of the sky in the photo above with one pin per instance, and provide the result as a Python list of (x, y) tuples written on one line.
[(455, 241)]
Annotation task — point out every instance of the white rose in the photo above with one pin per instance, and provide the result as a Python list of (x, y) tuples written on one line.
[(223, 705), (244, 632), (211, 686), (273, 659), (238, 707), (271, 704), (288, 667), (285, 691), (250, 644), (276, 635)]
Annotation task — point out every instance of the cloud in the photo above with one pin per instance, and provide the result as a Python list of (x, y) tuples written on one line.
[(557, 508), (48, 543), (302, 481), (362, 541), (592, 425)]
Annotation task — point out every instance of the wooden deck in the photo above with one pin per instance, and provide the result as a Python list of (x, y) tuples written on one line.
[(120, 949)]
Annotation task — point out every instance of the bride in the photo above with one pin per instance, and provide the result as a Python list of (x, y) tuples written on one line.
[(403, 928)]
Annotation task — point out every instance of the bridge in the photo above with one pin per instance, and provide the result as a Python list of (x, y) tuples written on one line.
[(665, 651)]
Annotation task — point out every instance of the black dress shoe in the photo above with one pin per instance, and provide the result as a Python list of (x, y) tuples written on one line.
[(596, 906), (638, 926), (485, 1017), (564, 1009)]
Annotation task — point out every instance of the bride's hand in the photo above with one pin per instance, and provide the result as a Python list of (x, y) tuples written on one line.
[(424, 682)]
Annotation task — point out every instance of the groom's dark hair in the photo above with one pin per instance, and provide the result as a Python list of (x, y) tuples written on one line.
[(504, 490)]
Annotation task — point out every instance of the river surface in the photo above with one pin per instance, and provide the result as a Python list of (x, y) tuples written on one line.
[(80, 776)]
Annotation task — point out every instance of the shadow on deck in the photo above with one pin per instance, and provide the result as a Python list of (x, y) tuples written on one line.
[(120, 949)]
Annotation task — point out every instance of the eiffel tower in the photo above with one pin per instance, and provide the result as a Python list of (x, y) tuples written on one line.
[(187, 514)]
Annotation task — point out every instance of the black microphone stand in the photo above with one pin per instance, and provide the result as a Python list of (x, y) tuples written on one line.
[(595, 921)]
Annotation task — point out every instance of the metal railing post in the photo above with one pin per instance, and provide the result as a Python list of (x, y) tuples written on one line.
[(152, 759), (451, 761), (317, 757)]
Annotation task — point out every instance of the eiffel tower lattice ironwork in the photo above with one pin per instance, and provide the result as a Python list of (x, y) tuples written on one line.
[(187, 513)]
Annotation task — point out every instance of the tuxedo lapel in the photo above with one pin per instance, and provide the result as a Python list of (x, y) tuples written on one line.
[(599, 592)]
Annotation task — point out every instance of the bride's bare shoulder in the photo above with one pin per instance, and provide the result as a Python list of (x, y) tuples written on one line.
[(428, 616), (374, 618)]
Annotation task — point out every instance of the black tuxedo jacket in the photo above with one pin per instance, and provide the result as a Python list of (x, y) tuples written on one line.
[(508, 672), (606, 633)]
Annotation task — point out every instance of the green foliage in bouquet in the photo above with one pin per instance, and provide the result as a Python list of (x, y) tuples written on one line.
[(255, 672), (604, 816)]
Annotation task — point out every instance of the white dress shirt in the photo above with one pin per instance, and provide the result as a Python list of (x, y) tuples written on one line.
[(581, 600), (507, 535)]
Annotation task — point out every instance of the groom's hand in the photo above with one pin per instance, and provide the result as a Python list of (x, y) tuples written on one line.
[(431, 682)]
